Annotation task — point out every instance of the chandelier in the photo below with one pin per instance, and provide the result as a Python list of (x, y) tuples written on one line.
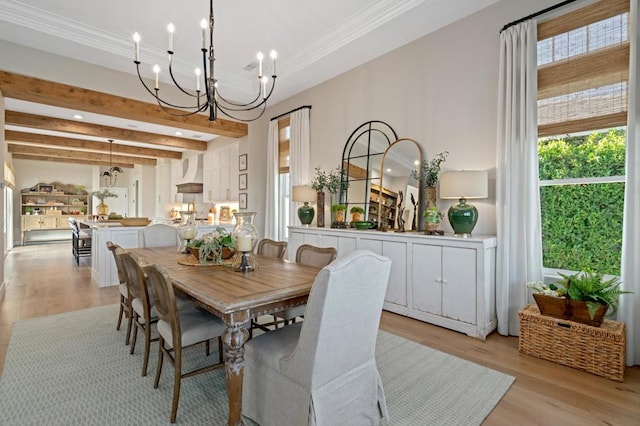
[(111, 176), (210, 99)]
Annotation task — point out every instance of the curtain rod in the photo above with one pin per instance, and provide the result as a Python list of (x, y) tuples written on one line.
[(541, 12), (293, 110)]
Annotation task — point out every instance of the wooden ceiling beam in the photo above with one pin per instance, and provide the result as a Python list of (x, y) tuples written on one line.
[(83, 155), (32, 89), (34, 138), (70, 126), (67, 160)]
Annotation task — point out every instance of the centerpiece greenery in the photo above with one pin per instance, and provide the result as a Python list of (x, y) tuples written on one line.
[(590, 288), (213, 247)]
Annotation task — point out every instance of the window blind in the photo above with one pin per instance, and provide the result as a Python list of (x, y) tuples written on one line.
[(283, 144), (583, 69)]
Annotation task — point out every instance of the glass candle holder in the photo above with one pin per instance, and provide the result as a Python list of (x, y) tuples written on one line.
[(187, 231), (245, 238)]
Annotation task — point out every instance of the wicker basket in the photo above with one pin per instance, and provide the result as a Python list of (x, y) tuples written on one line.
[(597, 350)]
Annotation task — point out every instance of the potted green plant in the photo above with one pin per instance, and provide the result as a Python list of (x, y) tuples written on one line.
[(428, 174), (212, 247), (338, 214), (584, 297), (356, 213), (432, 218)]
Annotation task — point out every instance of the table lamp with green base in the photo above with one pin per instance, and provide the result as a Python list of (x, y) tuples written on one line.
[(304, 194), (463, 185)]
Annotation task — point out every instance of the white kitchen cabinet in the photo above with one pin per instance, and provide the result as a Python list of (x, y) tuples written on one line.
[(164, 189), (443, 280), (220, 174)]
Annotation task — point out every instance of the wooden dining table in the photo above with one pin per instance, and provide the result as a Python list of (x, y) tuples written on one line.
[(236, 298)]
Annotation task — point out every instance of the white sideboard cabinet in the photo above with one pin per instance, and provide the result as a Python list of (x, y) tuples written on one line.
[(443, 280)]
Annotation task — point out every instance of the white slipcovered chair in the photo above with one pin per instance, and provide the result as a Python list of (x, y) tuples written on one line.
[(323, 370), (158, 235)]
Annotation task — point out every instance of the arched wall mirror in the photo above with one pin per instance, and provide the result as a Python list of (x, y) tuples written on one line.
[(361, 160), (400, 195)]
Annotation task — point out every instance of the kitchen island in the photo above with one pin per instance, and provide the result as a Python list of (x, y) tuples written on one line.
[(103, 267)]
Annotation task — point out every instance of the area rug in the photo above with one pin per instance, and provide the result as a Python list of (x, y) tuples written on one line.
[(74, 369)]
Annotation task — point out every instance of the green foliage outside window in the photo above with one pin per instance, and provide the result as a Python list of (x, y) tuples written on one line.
[(582, 224)]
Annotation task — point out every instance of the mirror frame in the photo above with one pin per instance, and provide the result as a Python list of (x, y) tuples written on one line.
[(364, 130), (420, 221)]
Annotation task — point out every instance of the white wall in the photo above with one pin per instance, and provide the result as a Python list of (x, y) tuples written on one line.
[(440, 90)]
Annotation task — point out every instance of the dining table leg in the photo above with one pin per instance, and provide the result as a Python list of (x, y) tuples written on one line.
[(234, 338)]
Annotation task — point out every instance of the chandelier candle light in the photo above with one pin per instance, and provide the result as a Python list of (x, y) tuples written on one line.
[(461, 186), (211, 99)]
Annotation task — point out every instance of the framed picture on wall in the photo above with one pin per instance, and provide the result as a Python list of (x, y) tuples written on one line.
[(242, 181), (225, 214), (243, 200), (242, 162), (48, 189)]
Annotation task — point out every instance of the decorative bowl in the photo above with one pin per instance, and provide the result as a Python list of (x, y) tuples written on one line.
[(363, 224), (226, 253)]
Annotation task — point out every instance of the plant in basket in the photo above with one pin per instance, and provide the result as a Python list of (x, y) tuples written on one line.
[(213, 247), (584, 297)]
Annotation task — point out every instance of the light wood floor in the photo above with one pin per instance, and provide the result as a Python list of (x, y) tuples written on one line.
[(44, 280)]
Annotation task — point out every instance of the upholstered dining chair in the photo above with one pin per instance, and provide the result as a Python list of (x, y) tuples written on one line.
[(142, 306), (125, 300), (308, 255), (158, 235), (322, 371), (178, 330)]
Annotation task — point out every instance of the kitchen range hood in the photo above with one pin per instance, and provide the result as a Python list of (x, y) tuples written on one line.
[(189, 188), (191, 182)]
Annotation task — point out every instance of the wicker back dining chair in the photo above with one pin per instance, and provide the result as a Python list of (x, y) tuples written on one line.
[(271, 248), (178, 329), (125, 300), (309, 255), (142, 305)]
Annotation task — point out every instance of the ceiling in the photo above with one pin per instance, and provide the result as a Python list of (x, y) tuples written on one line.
[(316, 41)]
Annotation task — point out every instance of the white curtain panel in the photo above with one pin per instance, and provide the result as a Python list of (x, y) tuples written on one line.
[(299, 157), (271, 216), (519, 257), (629, 308)]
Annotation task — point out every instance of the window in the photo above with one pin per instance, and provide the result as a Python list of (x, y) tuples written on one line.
[(284, 132), (583, 71)]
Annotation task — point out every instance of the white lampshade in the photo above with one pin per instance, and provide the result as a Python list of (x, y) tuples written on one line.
[(464, 184), (303, 193)]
